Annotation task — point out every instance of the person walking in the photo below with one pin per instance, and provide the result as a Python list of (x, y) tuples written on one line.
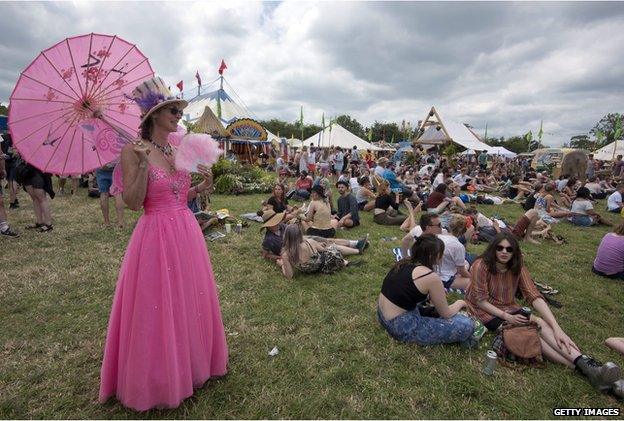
[(165, 334)]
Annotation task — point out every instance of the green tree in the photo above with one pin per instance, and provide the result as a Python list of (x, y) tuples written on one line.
[(386, 131), (604, 130), (4, 110), (582, 141), (352, 125)]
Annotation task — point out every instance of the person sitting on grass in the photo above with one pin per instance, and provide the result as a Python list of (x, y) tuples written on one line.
[(429, 223), (595, 188), (609, 261), (302, 188), (525, 227), (309, 256), (348, 215), (614, 201), (386, 207), (496, 276), (413, 281), (279, 203), (438, 201), (364, 195), (453, 268), (547, 207), (317, 219), (583, 211)]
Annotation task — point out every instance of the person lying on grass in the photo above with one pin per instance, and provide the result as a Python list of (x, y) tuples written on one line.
[(413, 281), (273, 240), (496, 276), (525, 227), (307, 255)]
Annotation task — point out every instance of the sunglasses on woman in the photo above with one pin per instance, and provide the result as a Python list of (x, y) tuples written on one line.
[(176, 111), (507, 249)]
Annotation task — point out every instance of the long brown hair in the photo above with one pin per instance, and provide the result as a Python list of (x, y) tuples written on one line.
[(293, 237), (283, 196), (383, 188), (427, 251), (489, 255)]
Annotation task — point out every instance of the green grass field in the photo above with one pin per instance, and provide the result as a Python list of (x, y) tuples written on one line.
[(334, 359)]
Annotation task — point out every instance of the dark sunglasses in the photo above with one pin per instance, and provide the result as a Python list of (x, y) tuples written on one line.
[(507, 249), (176, 111)]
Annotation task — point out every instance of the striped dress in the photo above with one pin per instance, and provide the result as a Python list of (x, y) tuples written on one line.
[(498, 289)]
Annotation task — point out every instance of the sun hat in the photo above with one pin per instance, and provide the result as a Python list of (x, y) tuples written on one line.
[(271, 218), (152, 95)]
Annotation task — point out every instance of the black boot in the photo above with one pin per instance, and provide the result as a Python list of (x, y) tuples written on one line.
[(601, 376)]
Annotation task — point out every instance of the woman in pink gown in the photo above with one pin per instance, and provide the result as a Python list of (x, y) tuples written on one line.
[(165, 334)]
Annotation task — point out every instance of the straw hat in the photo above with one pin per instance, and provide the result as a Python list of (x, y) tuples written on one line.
[(152, 95), (271, 218)]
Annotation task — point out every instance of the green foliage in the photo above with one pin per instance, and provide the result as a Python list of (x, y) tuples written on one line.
[(228, 183), (4, 110), (251, 173), (352, 125), (605, 129), (582, 141), (386, 132), (225, 166)]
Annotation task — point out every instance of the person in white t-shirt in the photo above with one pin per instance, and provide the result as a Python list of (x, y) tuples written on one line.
[(614, 202), (583, 211), (453, 266)]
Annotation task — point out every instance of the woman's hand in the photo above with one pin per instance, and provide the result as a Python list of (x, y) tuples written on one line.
[(517, 319), (205, 172), (461, 303), (563, 341), (141, 151)]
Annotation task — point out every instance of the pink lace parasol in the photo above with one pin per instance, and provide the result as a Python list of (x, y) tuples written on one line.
[(70, 111)]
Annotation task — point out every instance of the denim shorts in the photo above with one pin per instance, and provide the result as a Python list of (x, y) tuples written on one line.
[(412, 327), (104, 180), (582, 220)]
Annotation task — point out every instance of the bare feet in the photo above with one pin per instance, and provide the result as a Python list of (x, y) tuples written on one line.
[(531, 240)]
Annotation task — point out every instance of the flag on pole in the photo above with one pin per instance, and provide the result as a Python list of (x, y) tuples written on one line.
[(528, 136), (541, 131), (180, 85), (219, 104), (222, 67), (301, 117), (485, 135), (198, 78), (392, 141), (370, 134), (323, 121)]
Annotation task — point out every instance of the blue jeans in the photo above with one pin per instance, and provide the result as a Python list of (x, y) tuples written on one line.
[(412, 327), (582, 220)]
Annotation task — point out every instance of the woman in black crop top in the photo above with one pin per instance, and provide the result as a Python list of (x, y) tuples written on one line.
[(386, 207), (408, 284)]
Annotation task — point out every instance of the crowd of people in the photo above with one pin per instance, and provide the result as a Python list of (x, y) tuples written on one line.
[(167, 277)]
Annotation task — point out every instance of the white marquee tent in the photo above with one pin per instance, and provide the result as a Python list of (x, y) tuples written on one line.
[(499, 150), (610, 151), (336, 135)]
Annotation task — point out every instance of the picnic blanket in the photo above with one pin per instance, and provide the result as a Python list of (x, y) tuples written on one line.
[(398, 255), (252, 216)]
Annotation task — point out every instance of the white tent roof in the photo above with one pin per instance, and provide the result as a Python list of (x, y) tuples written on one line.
[(499, 150), (457, 133), (610, 151), (339, 136), (230, 109)]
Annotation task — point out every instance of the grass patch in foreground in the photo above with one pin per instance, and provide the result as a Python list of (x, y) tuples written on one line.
[(334, 361)]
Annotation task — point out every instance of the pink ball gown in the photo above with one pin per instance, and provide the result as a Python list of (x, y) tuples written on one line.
[(165, 333)]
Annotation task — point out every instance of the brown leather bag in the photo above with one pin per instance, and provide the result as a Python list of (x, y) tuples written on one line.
[(520, 344)]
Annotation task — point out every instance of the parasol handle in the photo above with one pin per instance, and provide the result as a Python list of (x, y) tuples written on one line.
[(98, 114)]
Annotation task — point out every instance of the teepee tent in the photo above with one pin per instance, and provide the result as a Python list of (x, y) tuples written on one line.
[(209, 123), (610, 151), (437, 131), (336, 135)]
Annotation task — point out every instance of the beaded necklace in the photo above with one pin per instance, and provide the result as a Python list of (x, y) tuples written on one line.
[(175, 183)]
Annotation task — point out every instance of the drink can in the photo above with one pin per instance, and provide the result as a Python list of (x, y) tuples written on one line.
[(239, 228), (490, 363), (228, 228), (526, 312)]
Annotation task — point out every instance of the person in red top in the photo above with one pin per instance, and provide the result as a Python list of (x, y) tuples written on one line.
[(303, 186), (438, 200), (495, 277)]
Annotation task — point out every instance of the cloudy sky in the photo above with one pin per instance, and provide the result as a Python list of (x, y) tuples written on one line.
[(509, 65)]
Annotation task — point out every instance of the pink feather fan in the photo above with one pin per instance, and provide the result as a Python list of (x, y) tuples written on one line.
[(195, 149)]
